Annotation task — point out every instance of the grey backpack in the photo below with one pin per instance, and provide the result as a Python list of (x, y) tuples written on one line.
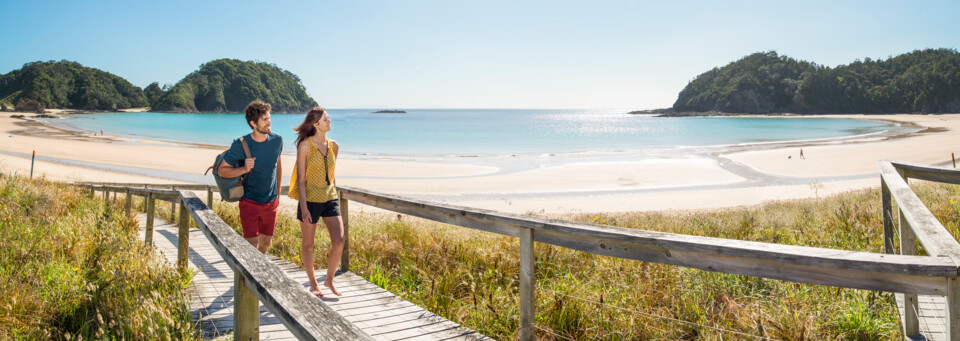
[(231, 189)]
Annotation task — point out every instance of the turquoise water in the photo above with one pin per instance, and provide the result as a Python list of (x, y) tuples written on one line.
[(487, 131)]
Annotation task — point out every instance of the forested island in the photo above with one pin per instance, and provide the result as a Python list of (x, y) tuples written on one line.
[(926, 81), (228, 85), (69, 85), (222, 85)]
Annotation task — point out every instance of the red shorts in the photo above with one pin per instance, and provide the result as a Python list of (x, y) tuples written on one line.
[(257, 218)]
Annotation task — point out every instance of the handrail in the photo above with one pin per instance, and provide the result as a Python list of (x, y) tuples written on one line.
[(917, 223), (929, 231), (850, 269), (938, 174), (255, 277), (904, 273), (285, 297)]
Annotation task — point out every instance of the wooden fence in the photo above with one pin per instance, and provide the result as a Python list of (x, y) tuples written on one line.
[(905, 273), (917, 223), (255, 277)]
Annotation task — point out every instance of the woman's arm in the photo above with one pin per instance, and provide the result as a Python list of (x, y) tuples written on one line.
[(302, 151), (336, 151)]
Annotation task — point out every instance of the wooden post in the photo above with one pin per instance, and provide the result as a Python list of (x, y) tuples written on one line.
[(210, 197), (246, 311), (887, 217), (908, 246), (183, 246), (952, 313), (527, 296), (951, 158), (148, 203), (345, 215), (106, 196), (129, 203), (35, 156), (145, 201), (173, 209)]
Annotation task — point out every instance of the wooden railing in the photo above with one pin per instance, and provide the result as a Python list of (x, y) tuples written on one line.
[(900, 273), (256, 279), (917, 223), (849, 269)]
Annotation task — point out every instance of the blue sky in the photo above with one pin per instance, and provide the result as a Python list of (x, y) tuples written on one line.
[(468, 54)]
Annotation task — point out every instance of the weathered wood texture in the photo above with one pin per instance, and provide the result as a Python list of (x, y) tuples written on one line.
[(929, 173), (376, 311), (281, 294), (861, 270), (930, 317), (923, 317), (928, 230)]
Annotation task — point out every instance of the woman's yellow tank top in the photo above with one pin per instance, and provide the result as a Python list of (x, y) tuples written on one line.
[(319, 174)]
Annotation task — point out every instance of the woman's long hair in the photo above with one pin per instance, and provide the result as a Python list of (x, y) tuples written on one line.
[(306, 129)]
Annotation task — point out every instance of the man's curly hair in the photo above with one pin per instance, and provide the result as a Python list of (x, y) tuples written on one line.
[(255, 110)]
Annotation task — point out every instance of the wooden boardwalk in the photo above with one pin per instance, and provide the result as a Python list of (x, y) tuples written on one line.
[(931, 316), (379, 313)]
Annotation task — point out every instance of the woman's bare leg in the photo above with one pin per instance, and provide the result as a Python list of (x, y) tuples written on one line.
[(307, 234), (335, 227)]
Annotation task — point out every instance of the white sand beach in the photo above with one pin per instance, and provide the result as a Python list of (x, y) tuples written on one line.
[(758, 174)]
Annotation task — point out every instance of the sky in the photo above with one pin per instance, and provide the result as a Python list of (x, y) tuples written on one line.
[(468, 54)]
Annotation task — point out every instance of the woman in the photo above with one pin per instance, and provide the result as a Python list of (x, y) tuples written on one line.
[(315, 187)]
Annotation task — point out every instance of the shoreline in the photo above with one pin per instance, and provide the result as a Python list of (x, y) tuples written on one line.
[(898, 131), (551, 184)]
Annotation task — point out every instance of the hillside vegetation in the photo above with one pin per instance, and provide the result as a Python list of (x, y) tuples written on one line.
[(926, 81), (228, 85), (66, 84)]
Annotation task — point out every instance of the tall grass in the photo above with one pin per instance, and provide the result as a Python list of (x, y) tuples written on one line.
[(72, 268), (471, 277)]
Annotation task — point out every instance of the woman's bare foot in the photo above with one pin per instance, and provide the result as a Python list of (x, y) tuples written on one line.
[(329, 285), (315, 290)]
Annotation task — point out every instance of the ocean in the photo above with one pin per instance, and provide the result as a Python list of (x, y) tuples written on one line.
[(489, 132)]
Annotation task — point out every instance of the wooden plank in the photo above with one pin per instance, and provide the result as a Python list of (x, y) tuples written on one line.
[(952, 310), (345, 215), (928, 230), (246, 311), (527, 294), (908, 245), (931, 317), (285, 297), (850, 269), (887, 209), (774, 269), (929, 173)]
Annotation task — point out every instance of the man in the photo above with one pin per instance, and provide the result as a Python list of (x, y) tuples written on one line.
[(261, 186)]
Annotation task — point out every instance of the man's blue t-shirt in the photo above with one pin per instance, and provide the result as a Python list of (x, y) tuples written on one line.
[(260, 185)]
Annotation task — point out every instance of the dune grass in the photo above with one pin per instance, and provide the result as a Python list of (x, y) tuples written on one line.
[(470, 277), (72, 268)]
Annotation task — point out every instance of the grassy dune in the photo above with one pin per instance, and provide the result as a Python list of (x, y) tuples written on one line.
[(470, 276), (73, 268)]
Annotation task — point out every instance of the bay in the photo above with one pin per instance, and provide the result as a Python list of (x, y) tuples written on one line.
[(464, 132)]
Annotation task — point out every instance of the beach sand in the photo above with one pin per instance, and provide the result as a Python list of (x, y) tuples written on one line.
[(539, 184)]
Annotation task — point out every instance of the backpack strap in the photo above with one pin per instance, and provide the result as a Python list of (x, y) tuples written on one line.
[(246, 149)]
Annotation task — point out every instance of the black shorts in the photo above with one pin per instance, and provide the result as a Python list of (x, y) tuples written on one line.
[(320, 209)]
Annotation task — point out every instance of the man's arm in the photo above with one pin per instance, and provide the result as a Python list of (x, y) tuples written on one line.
[(227, 171), (279, 175)]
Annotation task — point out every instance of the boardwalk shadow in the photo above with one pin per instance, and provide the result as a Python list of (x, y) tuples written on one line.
[(205, 265)]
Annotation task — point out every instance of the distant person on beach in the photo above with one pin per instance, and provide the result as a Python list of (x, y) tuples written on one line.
[(261, 186), (801, 154), (313, 184)]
